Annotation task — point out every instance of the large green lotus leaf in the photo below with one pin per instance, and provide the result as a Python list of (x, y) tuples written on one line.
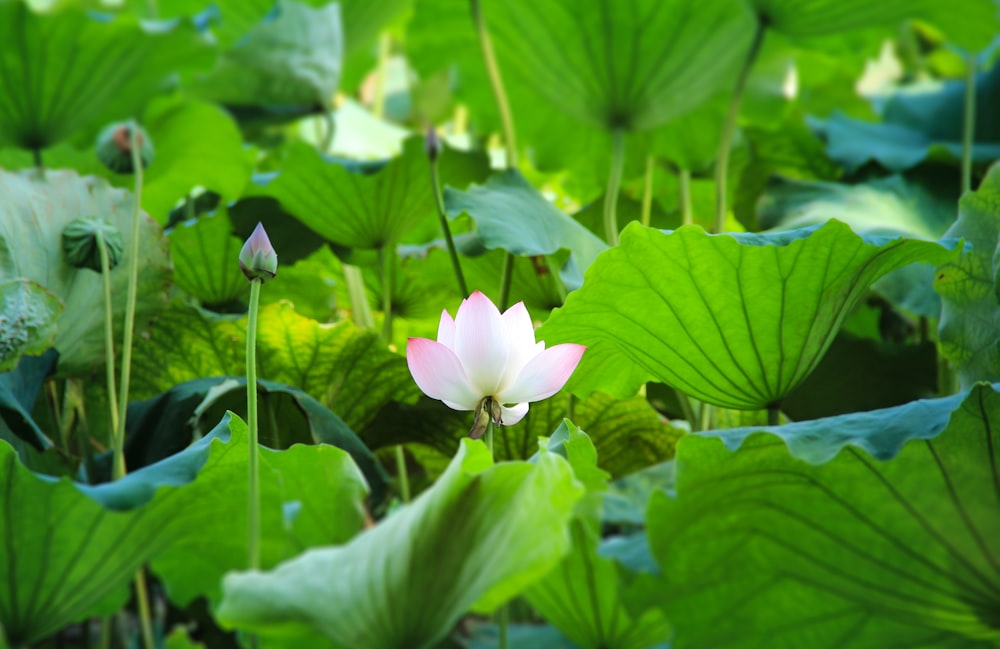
[(893, 541), (28, 315), (291, 59), (586, 597), (972, 27), (970, 287), (32, 217), (197, 145), (621, 65), (78, 546), (511, 214), (65, 71), (366, 211), (734, 320), (918, 123), (385, 589), (886, 206), (205, 254), (19, 390)]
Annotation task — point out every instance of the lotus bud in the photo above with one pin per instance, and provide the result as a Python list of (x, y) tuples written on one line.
[(80, 243), (114, 147), (432, 144), (258, 260)]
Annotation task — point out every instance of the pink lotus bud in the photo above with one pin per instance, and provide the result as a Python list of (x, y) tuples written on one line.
[(258, 260)]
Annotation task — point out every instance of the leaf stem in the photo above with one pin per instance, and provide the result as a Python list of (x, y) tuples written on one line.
[(503, 620), (443, 216), (381, 74), (688, 410), (253, 468), (506, 276), (386, 262), (684, 196), (774, 415), (403, 474), (647, 193), (614, 187), (968, 122), (729, 127), (142, 603), (117, 442), (118, 462), (361, 312)]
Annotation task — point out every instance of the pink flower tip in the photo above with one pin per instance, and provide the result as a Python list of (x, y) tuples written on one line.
[(258, 260)]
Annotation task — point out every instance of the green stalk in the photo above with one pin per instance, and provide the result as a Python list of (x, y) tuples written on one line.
[(381, 74), (729, 127), (688, 410), (507, 123), (503, 613), (969, 122), (684, 196), (109, 353), (145, 617), (773, 415), (403, 473), (647, 193), (386, 262), (118, 461), (361, 311), (614, 187), (253, 469), (443, 216)]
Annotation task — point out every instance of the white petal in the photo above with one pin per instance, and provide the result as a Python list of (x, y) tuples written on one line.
[(438, 372), (481, 343), (446, 330), (514, 414), (521, 334), (461, 406), (544, 375)]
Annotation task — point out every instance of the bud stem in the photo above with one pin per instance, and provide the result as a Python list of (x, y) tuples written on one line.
[(109, 347), (443, 215), (253, 468)]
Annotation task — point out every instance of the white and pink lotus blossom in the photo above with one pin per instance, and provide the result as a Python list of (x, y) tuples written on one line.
[(483, 358)]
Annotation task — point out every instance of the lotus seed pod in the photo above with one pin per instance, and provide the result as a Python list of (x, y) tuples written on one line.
[(80, 244), (258, 260), (114, 147)]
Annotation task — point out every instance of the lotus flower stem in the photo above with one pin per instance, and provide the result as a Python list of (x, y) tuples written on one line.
[(507, 123), (145, 616), (684, 196), (253, 468), (361, 312), (443, 216), (386, 261), (109, 349), (729, 126), (503, 613), (614, 187), (647, 192), (969, 122)]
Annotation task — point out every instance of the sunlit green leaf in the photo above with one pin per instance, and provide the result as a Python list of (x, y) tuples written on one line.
[(892, 541), (385, 588), (735, 320)]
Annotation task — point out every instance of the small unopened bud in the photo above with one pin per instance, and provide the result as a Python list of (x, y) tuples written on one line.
[(258, 260), (114, 147), (432, 144), (80, 243)]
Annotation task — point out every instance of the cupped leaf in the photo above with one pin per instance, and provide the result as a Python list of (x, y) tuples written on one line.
[(28, 315), (205, 259), (66, 70), (896, 543), (291, 59), (78, 546), (385, 589), (970, 287), (734, 320), (622, 65), (511, 214), (32, 217)]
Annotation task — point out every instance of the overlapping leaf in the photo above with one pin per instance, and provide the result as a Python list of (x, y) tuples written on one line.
[(385, 589), (28, 315), (735, 320), (894, 543), (204, 253)]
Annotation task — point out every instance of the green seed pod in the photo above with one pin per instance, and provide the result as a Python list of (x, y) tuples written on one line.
[(79, 240), (114, 147)]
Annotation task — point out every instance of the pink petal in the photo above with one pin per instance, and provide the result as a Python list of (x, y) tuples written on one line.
[(544, 375), (514, 414), (438, 372), (446, 330), (481, 343), (460, 406), (521, 334)]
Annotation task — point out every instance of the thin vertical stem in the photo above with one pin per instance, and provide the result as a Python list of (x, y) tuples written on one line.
[(969, 122), (773, 415), (688, 411), (490, 426), (443, 216), (361, 311), (503, 620), (729, 127), (381, 73), (145, 616), (647, 193), (684, 196), (506, 276), (36, 156), (117, 441), (386, 260), (403, 474), (118, 462), (614, 187), (253, 468)]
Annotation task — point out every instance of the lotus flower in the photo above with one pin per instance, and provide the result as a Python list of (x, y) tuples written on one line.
[(258, 260), (483, 359)]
